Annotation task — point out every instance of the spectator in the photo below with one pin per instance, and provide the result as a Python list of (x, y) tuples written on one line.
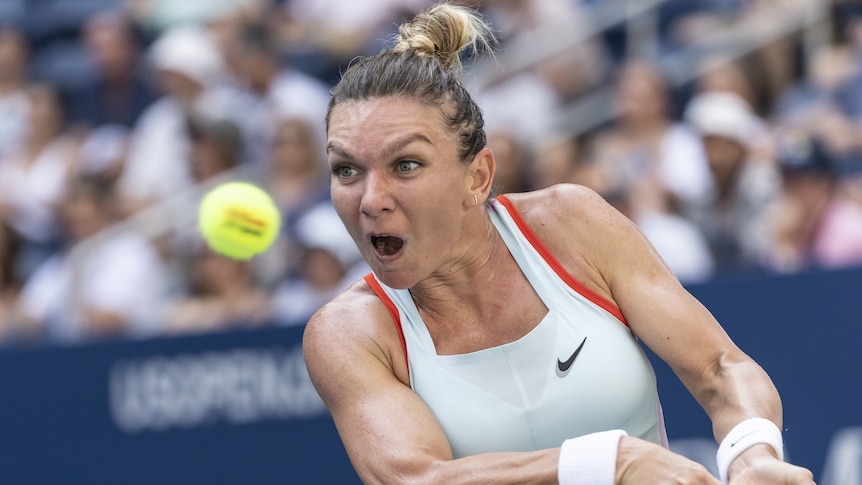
[(646, 143), (817, 222), (216, 147), (98, 285), (298, 179), (190, 71), (816, 103), (271, 90), (10, 285), (33, 179), (120, 89), (677, 240), (522, 106), (733, 213), (221, 294), (848, 93), (298, 175), (717, 73), (330, 262), (561, 158), (14, 56)]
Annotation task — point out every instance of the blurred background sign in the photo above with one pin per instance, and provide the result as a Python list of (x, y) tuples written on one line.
[(221, 408)]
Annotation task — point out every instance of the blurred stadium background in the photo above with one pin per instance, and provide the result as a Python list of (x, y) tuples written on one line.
[(730, 131)]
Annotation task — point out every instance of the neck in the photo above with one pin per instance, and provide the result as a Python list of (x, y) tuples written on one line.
[(458, 293), (479, 246), (482, 304)]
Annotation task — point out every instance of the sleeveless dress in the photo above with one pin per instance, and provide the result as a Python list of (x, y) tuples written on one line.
[(580, 370)]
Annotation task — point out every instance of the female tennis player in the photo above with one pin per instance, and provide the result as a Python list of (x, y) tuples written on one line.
[(495, 340)]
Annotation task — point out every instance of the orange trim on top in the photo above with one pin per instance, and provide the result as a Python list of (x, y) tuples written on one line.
[(393, 310), (558, 268)]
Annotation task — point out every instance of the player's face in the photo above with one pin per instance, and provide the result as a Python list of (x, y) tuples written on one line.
[(398, 186)]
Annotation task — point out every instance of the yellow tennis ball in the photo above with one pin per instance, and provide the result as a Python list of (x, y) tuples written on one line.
[(238, 220)]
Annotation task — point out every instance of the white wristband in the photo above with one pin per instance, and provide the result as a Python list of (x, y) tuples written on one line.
[(743, 436), (590, 459)]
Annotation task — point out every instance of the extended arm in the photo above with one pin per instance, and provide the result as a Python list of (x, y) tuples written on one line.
[(389, 433), (392, 437), (729, 385)]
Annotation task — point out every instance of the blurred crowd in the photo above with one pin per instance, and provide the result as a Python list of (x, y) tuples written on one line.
[(112, 109)]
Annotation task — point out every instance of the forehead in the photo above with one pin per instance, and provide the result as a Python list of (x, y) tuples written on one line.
[(382, 119)]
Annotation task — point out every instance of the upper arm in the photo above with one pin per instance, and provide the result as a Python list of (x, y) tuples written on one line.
[(623, 265), (387, 430), (606, 251)]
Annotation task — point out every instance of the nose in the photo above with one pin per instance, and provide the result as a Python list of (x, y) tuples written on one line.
[(377, 195)]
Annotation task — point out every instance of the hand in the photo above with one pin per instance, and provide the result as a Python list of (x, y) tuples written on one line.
[(640, 462), (759, 465)]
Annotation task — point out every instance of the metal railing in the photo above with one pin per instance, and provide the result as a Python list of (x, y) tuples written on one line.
[(810, 18), (531, 48)]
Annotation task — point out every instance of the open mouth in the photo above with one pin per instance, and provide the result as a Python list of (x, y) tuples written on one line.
[(387, 245)]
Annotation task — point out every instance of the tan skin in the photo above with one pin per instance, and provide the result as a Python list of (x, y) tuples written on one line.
[(396, 172)]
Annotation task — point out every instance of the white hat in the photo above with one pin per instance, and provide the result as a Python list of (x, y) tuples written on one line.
[(190, 51), (724, 114), (321, 228)]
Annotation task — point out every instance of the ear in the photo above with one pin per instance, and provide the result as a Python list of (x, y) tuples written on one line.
[(480, 177)]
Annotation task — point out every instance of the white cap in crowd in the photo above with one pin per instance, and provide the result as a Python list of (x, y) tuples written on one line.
[(188, 50), (723, 114), (321, 228)]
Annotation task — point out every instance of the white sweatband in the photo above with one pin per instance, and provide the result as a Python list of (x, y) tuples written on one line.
[(750, 432), (590, 459)]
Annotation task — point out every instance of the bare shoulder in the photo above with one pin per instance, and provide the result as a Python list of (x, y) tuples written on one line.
[(354, 328), (348, 319), (574, 221), (563, 204), (333, 320), (591, 239)]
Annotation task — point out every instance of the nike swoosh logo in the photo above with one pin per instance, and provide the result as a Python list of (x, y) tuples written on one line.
[(563, 368), (741, 438)]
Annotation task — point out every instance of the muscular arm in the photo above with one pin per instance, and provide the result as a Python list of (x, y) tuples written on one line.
[(623, 266), (352, 352)]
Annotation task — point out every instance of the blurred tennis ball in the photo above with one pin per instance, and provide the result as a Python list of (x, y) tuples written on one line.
[(238, 220)]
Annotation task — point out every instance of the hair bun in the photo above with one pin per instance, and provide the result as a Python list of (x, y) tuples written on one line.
[(443, 32)]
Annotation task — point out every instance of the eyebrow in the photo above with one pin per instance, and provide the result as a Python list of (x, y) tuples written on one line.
[(387, 150)]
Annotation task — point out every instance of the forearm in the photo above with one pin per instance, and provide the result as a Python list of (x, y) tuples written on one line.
[(539, 467), (535, 467), (736, 388)]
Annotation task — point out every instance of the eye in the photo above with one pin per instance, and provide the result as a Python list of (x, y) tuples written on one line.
[(343, 171), (407, 165)]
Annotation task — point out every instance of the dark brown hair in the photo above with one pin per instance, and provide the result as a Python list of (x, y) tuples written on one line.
[(425, 64)]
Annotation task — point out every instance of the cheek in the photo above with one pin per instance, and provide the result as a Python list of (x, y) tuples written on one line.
[(346, 203), (440, 212)]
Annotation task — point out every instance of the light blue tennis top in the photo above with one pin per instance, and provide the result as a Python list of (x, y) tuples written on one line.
[(531, 394)]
